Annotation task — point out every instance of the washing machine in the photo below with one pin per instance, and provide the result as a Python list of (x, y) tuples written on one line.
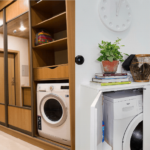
[(53, 112), (123, 117)]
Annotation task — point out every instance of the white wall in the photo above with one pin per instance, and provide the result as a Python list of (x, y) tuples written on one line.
[(21, 45), (90, 31)]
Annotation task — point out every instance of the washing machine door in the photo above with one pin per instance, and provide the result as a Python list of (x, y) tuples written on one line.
[(53, 110), (133, 137)]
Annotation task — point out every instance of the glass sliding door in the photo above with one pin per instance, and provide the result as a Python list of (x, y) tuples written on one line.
[(19, 93), (18, 59)]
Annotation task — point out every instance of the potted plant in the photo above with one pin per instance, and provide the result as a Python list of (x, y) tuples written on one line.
[(110, 55)]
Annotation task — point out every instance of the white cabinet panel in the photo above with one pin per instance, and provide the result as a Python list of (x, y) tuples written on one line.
[(83, 112), (146, 118), (96, 123)]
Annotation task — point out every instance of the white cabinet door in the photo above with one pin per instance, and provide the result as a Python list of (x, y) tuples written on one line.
[(96, 123), (146, 118)]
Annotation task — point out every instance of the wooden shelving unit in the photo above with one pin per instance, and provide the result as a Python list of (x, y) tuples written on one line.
[(54, 61)]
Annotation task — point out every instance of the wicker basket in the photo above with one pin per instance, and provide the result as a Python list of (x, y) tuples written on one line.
[(140, 68)]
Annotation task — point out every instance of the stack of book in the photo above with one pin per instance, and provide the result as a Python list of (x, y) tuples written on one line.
[(111, 79)]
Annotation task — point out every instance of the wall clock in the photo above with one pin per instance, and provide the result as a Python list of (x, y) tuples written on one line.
[(115, 14)]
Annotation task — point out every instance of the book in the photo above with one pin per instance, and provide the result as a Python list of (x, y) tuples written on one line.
[(108, 80), (115, 74), (115, 83), (111, 77)]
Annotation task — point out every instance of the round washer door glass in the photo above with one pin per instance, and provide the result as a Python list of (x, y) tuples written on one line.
[(133, 136), (137, 138), (53, 110)]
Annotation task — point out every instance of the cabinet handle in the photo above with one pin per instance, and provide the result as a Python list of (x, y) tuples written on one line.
[(53, 67)]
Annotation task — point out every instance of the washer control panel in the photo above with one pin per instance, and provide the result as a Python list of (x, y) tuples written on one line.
[(140, 105), (39, 123)]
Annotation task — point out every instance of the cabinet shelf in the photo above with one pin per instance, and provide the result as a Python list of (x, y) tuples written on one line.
[(47, 9), (46, 6), (56, 72), (54, 24), (55, 45)]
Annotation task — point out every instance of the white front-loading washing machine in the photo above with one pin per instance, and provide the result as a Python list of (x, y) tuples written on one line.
[(123, 117), (53, 112)]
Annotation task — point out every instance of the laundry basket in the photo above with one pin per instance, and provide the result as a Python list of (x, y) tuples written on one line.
[(140, 68)]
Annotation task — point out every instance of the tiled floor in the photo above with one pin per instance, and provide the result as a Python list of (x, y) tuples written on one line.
[(8, 142)]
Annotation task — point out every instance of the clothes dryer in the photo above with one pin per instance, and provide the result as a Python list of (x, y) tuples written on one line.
[(123, 117)]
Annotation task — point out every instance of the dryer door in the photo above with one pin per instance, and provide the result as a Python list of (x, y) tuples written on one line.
[(133, 137), (53, 110)]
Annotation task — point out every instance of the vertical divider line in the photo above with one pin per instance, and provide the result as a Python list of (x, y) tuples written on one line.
[(70, 20), (15, 79), (31, 72), (6, 93)]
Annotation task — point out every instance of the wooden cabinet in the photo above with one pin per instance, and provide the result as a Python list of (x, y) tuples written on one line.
[(2, 113), (4, 3), (54, 60), (26, 96), (17, 8), (19, 118), (51, 73)]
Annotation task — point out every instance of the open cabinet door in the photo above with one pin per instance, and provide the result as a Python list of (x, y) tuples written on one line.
[(96, 123)]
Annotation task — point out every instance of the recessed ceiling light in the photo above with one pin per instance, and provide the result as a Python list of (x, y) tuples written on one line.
[(22, 28), (14, 31)]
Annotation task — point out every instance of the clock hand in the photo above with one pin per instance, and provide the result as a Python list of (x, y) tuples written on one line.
[(118, 5), (116, 9)]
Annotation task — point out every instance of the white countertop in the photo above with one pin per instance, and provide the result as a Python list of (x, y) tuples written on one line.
[(97, 86)]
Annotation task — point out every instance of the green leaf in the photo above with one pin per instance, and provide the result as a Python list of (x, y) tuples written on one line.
[(126, 54), (107, 53), (100, 46), (121, 60), (100, 58), (110, 59), (111, 53)]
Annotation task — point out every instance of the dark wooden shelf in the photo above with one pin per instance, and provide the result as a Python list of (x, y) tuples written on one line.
[(52, 7), (54, 24), (55, 45), (50, 66)]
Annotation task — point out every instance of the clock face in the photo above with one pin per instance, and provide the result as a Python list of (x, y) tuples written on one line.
[(115, 14)]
